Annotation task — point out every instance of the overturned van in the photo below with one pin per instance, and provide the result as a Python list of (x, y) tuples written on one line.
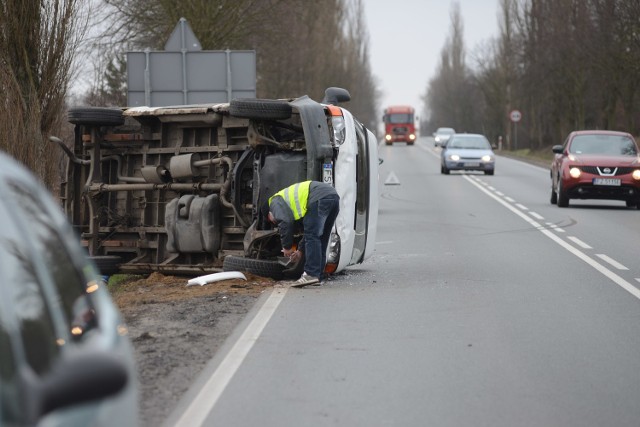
[(178, 189)]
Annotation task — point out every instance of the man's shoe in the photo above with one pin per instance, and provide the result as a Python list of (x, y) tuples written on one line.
[(305, 280)]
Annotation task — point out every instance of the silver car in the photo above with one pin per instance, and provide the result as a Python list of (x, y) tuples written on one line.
[(469, 152), (65, 358)]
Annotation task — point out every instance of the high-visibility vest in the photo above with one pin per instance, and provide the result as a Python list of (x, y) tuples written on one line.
[(296, 197)]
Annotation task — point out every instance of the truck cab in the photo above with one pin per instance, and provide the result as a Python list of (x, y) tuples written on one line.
[(399, 124)]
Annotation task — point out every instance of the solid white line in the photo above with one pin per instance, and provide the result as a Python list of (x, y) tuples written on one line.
[(536, 215), (208, 396), (612, 261), (579, 242), (584, 257), (523, 207)]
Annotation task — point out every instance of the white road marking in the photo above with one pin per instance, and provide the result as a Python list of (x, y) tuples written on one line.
[(579, 242), (208, 396), (384, 242), (611, 261), (536, 215), (584, 257), (523, 207), (491, 188), (509, 199), (499, 193)]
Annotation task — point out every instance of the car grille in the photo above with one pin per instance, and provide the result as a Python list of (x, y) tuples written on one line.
[(400, 130), (600, 170)]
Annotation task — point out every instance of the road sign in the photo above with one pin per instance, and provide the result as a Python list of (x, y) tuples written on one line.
[(515, 116)]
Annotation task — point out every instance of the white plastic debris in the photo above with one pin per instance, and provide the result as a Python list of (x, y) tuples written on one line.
[(215, 277)]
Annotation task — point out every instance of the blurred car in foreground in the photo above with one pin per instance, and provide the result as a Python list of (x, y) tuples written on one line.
[(442, 135), (467, 152), (595, 164), (65, 359)]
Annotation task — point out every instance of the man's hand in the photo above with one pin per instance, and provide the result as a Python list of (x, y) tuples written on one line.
[(287, 252)]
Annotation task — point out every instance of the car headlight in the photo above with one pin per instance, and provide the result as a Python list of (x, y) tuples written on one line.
[(636, 174), (412, 137), (575, 172), (454, 157), (387, 137), (487, 158), (339, 129)]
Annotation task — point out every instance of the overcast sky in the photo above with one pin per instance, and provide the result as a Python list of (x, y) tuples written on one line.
[(406, 37)]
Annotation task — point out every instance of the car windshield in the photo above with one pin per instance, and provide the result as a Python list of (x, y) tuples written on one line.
[(614, 145), (473, 143), (400, 118), (445, 131)]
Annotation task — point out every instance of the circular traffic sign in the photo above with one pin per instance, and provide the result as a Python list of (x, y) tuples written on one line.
[(515, 116)]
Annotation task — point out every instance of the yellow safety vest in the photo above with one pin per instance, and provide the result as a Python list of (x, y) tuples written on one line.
[(296, 197)]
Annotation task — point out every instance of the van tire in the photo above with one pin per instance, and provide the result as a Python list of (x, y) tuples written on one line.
[(260, 267), (95, 116), (270, 109)]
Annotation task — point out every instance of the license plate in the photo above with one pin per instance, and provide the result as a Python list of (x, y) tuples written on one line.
[(327, 173), (472, 164), (606, 181)]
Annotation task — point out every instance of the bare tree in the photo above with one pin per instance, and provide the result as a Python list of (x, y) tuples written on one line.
[(38, 40)]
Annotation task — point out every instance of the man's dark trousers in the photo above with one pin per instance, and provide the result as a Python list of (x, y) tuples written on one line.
[(317, 223)]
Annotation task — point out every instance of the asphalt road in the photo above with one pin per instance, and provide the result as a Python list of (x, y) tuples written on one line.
[(483, 305)]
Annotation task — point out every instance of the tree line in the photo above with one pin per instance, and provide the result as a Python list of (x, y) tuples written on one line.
[(564, 64)]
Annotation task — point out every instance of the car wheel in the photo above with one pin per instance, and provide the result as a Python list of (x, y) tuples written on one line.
[(270, 109), (633, 204), (444, 170), (563, 199), (107, 264), (261, 267), (491, 172), (554, 196), (96, 116)]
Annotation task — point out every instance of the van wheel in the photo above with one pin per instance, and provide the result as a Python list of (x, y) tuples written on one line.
[(270, 109), (260, 267), (95, 116), (107, 264)]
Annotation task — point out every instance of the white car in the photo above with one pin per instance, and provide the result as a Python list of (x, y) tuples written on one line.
[(178, 189), (441, 136)]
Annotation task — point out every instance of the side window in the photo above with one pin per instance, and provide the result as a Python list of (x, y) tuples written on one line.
[(23, 299), (70, 290)]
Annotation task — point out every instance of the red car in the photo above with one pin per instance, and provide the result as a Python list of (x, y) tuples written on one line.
[(594, 164)]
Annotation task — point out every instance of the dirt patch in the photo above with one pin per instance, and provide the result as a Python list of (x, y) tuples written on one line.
[(176, 329)]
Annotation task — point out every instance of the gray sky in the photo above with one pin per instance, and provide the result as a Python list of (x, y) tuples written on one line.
[(406, 37)]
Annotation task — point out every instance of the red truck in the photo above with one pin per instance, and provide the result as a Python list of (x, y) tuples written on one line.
[(399, 124)]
